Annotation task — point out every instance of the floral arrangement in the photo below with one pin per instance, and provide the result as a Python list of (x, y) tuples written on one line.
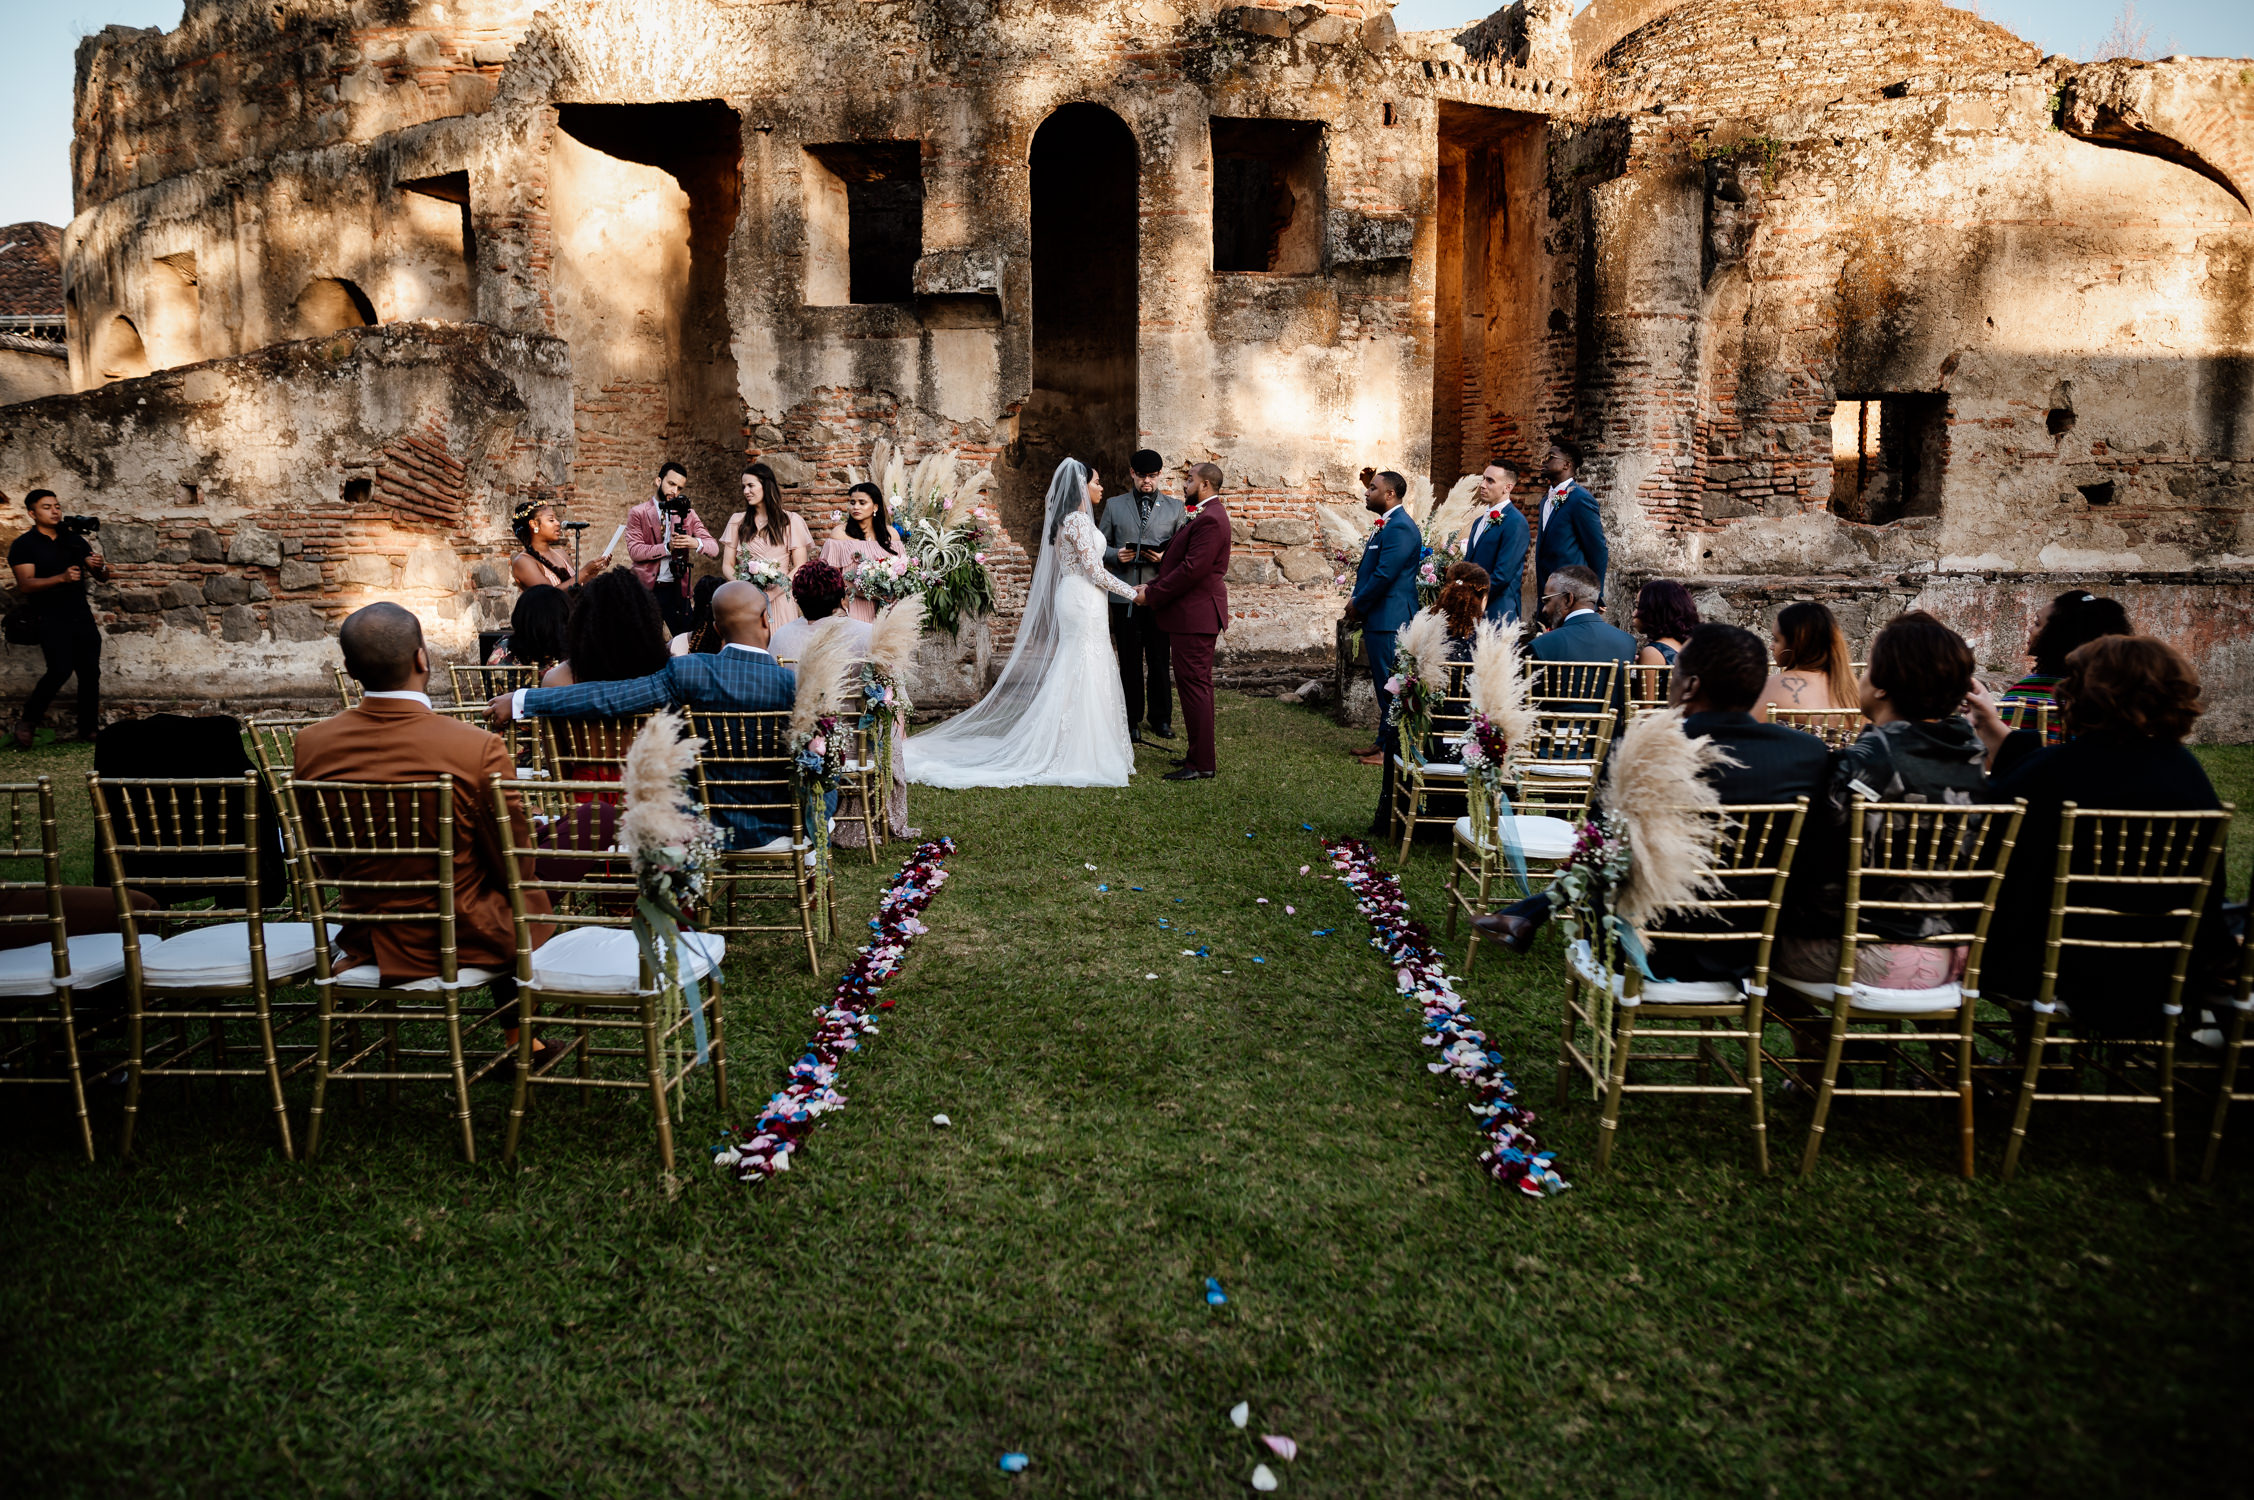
[(1429, 581), (1502, 716), (938, 508), (760, 571), (882, 580), (1513, 1155), (671, 849), (1419, 681), (818, 749), (885, 680), (810, 1091)]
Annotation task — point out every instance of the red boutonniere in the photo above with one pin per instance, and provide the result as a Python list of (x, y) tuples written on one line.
[(1494, 514)]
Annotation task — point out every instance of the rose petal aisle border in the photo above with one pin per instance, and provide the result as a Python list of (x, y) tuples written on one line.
[(1513, 1155), (811, 1089)]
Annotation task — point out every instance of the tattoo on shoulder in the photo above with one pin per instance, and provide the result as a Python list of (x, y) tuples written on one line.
[(1792, 685)]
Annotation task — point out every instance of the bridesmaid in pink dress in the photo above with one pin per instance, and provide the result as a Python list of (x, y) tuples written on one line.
[(867, 532), (764, 531)]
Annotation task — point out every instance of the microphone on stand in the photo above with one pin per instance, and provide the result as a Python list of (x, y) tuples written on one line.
[(575, 527)]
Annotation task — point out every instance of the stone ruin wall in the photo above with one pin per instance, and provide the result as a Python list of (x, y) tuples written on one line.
[(1685, 245)]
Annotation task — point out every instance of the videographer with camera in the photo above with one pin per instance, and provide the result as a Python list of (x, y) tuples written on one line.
[(51, 562), (663, 536)]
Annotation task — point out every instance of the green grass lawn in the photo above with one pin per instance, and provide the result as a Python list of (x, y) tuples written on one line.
[(908, 1303)]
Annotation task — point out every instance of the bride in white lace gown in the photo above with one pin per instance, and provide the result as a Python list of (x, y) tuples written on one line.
[(1056, 715)]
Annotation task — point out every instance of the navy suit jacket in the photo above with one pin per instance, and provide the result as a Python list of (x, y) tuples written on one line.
[(1500, 548), (1573, 534), (1586, 637), (1385, 584), (728, 681)]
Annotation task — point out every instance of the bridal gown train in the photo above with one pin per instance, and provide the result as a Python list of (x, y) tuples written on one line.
[(1055, 722)]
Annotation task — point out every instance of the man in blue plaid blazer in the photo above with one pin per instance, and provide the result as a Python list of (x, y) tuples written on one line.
[(742, 677)]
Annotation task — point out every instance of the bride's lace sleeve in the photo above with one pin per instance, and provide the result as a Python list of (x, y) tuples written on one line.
[(1084, 554)]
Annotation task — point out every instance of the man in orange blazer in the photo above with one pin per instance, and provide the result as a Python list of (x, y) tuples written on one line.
[(393, 735)]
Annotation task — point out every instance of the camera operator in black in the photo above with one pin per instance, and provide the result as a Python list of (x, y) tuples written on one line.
[(51, 562)]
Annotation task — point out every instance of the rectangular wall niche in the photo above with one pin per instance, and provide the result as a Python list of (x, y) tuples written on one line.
[(864, 221), (1268, 196), (1888, 456)]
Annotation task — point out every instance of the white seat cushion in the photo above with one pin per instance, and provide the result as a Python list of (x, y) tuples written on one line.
[(1655, 991), (219, 955), (1943, 997), (368, 977), (606, 961), (1563, 770), (781, 843), (1443, 768), (96, 958), (1538, 837)]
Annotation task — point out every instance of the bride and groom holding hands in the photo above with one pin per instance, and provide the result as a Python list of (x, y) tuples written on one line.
[(1057, 715)]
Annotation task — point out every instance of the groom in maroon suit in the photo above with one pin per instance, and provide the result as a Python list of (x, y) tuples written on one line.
[(1190, 601)]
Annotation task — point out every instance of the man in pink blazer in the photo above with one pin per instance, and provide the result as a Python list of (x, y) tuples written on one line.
[(1190, 600)]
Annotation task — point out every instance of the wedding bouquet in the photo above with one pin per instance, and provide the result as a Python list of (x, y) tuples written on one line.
[(881, 580), (760, 571), (1419, 681)]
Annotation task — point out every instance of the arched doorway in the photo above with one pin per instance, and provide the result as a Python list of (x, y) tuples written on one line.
[(1085, 188)]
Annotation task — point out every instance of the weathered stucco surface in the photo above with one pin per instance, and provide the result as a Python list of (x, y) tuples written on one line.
[(1835, 295)]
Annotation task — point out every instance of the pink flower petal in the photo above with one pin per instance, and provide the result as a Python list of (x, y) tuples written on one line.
[(1283, 1447)]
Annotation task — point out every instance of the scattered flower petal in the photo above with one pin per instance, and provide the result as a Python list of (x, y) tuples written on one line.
[(1256, 958), (1087, 867), (1214, 1297), (1150, 976), (941, 1120), (1241, 1413), (1303, 868), (1015, 1463), (1283, 1447), (1293, 911), (1263, 900), (1263, 1478), (1309, 827)]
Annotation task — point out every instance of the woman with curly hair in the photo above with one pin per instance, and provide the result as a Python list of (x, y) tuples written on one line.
[(819, 592), (616, 634), (2128, 702), (543, 559), (1463, 601), (1665, 617), (536, 629)]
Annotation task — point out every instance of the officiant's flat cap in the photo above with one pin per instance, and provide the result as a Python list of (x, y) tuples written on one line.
[(1146, 461)]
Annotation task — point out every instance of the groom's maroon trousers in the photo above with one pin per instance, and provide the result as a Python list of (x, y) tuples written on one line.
[(1190, 600)]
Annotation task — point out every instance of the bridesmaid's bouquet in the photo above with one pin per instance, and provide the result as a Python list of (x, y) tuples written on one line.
[(763, 572), (883, 580)]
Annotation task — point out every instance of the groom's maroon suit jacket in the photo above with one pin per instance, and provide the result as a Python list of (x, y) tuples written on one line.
[(1190, 596)]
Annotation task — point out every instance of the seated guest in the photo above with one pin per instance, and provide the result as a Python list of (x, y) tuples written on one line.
[(616, 633), (741, 678), (536, 629), (1718, 673), (1462, 602), (1576, 631), (1916, 750), (701, 636), (2073, 619), (818, 590), (1813, 669), (1665, 616), (392, 734), (2128, 702)]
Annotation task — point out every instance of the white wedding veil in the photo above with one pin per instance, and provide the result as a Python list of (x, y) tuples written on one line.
[(983, 745)]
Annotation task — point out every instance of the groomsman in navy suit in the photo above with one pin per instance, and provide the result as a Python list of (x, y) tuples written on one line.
[(1384, 600), (1498, 540), (1571, 530)]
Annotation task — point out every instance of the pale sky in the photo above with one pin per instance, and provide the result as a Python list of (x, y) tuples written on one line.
[(38, 37)]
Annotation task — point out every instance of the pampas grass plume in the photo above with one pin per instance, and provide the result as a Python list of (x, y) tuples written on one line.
[(1455, 511), (1426, 639), (1418, 502), (1500, 686), (892, 640), (1345, 531), (1658, 788), (659, 813), (822, 669)]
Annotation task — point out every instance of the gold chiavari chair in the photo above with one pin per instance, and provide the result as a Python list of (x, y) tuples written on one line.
[(2240, 1004), (1912, 867), (749, 789), (591, 975), (863, 795), (197, 840), (44, 971), (588, 749), (521, 738), (480, 685), (347, 688), (1753, 848), (1556, 776), (1836, 727), (1586, 687), (1648, 687), (1416, 777), (2019, 713), (381, 856), (2124, 883), (272, 739)]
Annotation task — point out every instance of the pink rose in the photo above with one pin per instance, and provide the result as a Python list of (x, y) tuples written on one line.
[(978, 557), (820, 744)]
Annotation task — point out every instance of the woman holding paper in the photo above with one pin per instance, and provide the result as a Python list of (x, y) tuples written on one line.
[(540, 532)]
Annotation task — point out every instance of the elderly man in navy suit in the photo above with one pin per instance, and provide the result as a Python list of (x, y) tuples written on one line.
[(1571, 531), (1577, 632), (1385, 587), (1498, 540), (741, 678)]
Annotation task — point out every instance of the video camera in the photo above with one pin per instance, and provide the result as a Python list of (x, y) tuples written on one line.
[(82, 525)]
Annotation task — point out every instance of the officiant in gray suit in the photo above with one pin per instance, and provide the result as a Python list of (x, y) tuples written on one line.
[(1136, 527)]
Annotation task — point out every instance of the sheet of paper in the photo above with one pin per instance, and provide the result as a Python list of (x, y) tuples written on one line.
[(615, 538)]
